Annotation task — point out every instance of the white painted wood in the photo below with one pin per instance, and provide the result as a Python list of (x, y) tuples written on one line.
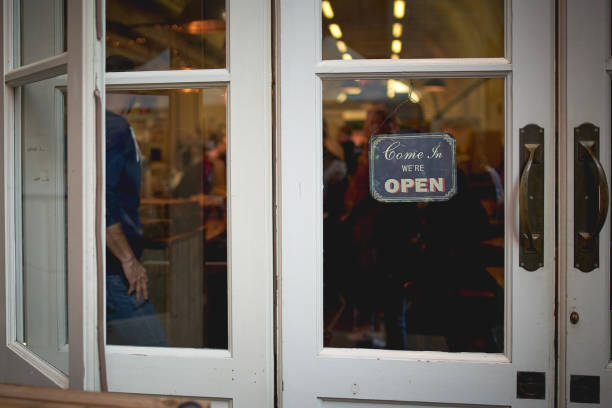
[(311, 374), (588, 95), (38, 71), (166, 79), (242, 376), (449, 67), (82, 69)]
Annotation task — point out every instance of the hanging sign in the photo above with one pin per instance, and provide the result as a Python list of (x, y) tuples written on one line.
[(412, 167)]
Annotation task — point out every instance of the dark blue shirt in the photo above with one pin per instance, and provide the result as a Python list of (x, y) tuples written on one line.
[(123, 171)]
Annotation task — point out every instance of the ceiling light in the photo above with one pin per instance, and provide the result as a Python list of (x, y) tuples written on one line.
[(341, 97), (328, 12), (399, 8), (397, 30), (390, 90), (341, 46), (396, 46), (415, 97), (397, 87), (346, 56), (335, 31)]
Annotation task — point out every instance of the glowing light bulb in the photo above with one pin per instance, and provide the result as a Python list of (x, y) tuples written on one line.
[(341, 46), (341, 97), (346, 56), (396, 46), (335, 31), (397, 30), (399, 8), (395, 56), (328, 12)]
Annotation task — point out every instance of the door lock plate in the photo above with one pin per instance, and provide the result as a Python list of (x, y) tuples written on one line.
[(584, 389), (530, 385)]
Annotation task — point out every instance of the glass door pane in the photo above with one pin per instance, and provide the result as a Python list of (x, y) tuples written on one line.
[(41, 221), (382, 29), (40, 29), (165, 35), (405, 276), (166, 187)]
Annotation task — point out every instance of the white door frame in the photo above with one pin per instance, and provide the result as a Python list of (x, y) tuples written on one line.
[(312, 374), (584, 96)]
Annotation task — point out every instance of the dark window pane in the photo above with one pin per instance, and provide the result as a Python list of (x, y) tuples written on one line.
[(414, 276), (161, 35)]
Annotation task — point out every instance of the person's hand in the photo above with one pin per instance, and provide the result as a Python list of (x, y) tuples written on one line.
[(136, 275)]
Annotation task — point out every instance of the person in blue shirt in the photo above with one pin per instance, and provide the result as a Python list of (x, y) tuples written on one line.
[(130, 316)]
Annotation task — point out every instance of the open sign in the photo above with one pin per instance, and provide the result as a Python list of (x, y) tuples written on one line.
[(412, 167)]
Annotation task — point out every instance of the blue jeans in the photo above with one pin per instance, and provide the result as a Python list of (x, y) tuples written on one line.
[(135, 323)]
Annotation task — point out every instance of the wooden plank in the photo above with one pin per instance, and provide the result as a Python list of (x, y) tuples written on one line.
[(22, 396)]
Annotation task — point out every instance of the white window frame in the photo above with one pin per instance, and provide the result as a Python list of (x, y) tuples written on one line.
[(80, 63)]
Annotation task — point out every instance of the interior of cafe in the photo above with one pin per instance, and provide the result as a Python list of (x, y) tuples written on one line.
[(369, 301)]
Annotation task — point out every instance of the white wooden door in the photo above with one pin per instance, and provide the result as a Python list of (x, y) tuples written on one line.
[(49, 65), (336, 347), (169, 99), (586, 371), (200, 90)]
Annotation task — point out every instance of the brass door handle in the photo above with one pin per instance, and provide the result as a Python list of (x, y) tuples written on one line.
[(604, 193), (524, 198)]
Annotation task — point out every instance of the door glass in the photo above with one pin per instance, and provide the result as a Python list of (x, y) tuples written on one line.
[(414, 276), (164, 35), (166, 195), (41, 221), (412, 29), (40, 30)]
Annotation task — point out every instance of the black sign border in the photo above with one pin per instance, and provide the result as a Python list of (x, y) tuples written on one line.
[(375, 139)]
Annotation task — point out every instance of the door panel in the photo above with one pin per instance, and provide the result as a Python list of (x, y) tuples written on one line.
[(586, 317), (315, 370), (196, 96)]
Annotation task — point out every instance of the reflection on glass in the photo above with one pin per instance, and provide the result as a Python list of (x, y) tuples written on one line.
[(414, 276), (412, 29), (166, 191), (40, 30), (41, 222), (165, 35)]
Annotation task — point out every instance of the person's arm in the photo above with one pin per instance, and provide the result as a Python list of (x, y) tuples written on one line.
[(116, 151), (135, 273)]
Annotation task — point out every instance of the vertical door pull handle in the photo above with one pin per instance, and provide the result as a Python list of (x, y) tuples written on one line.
[(524, 198), (604, 193), (531, 198)]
